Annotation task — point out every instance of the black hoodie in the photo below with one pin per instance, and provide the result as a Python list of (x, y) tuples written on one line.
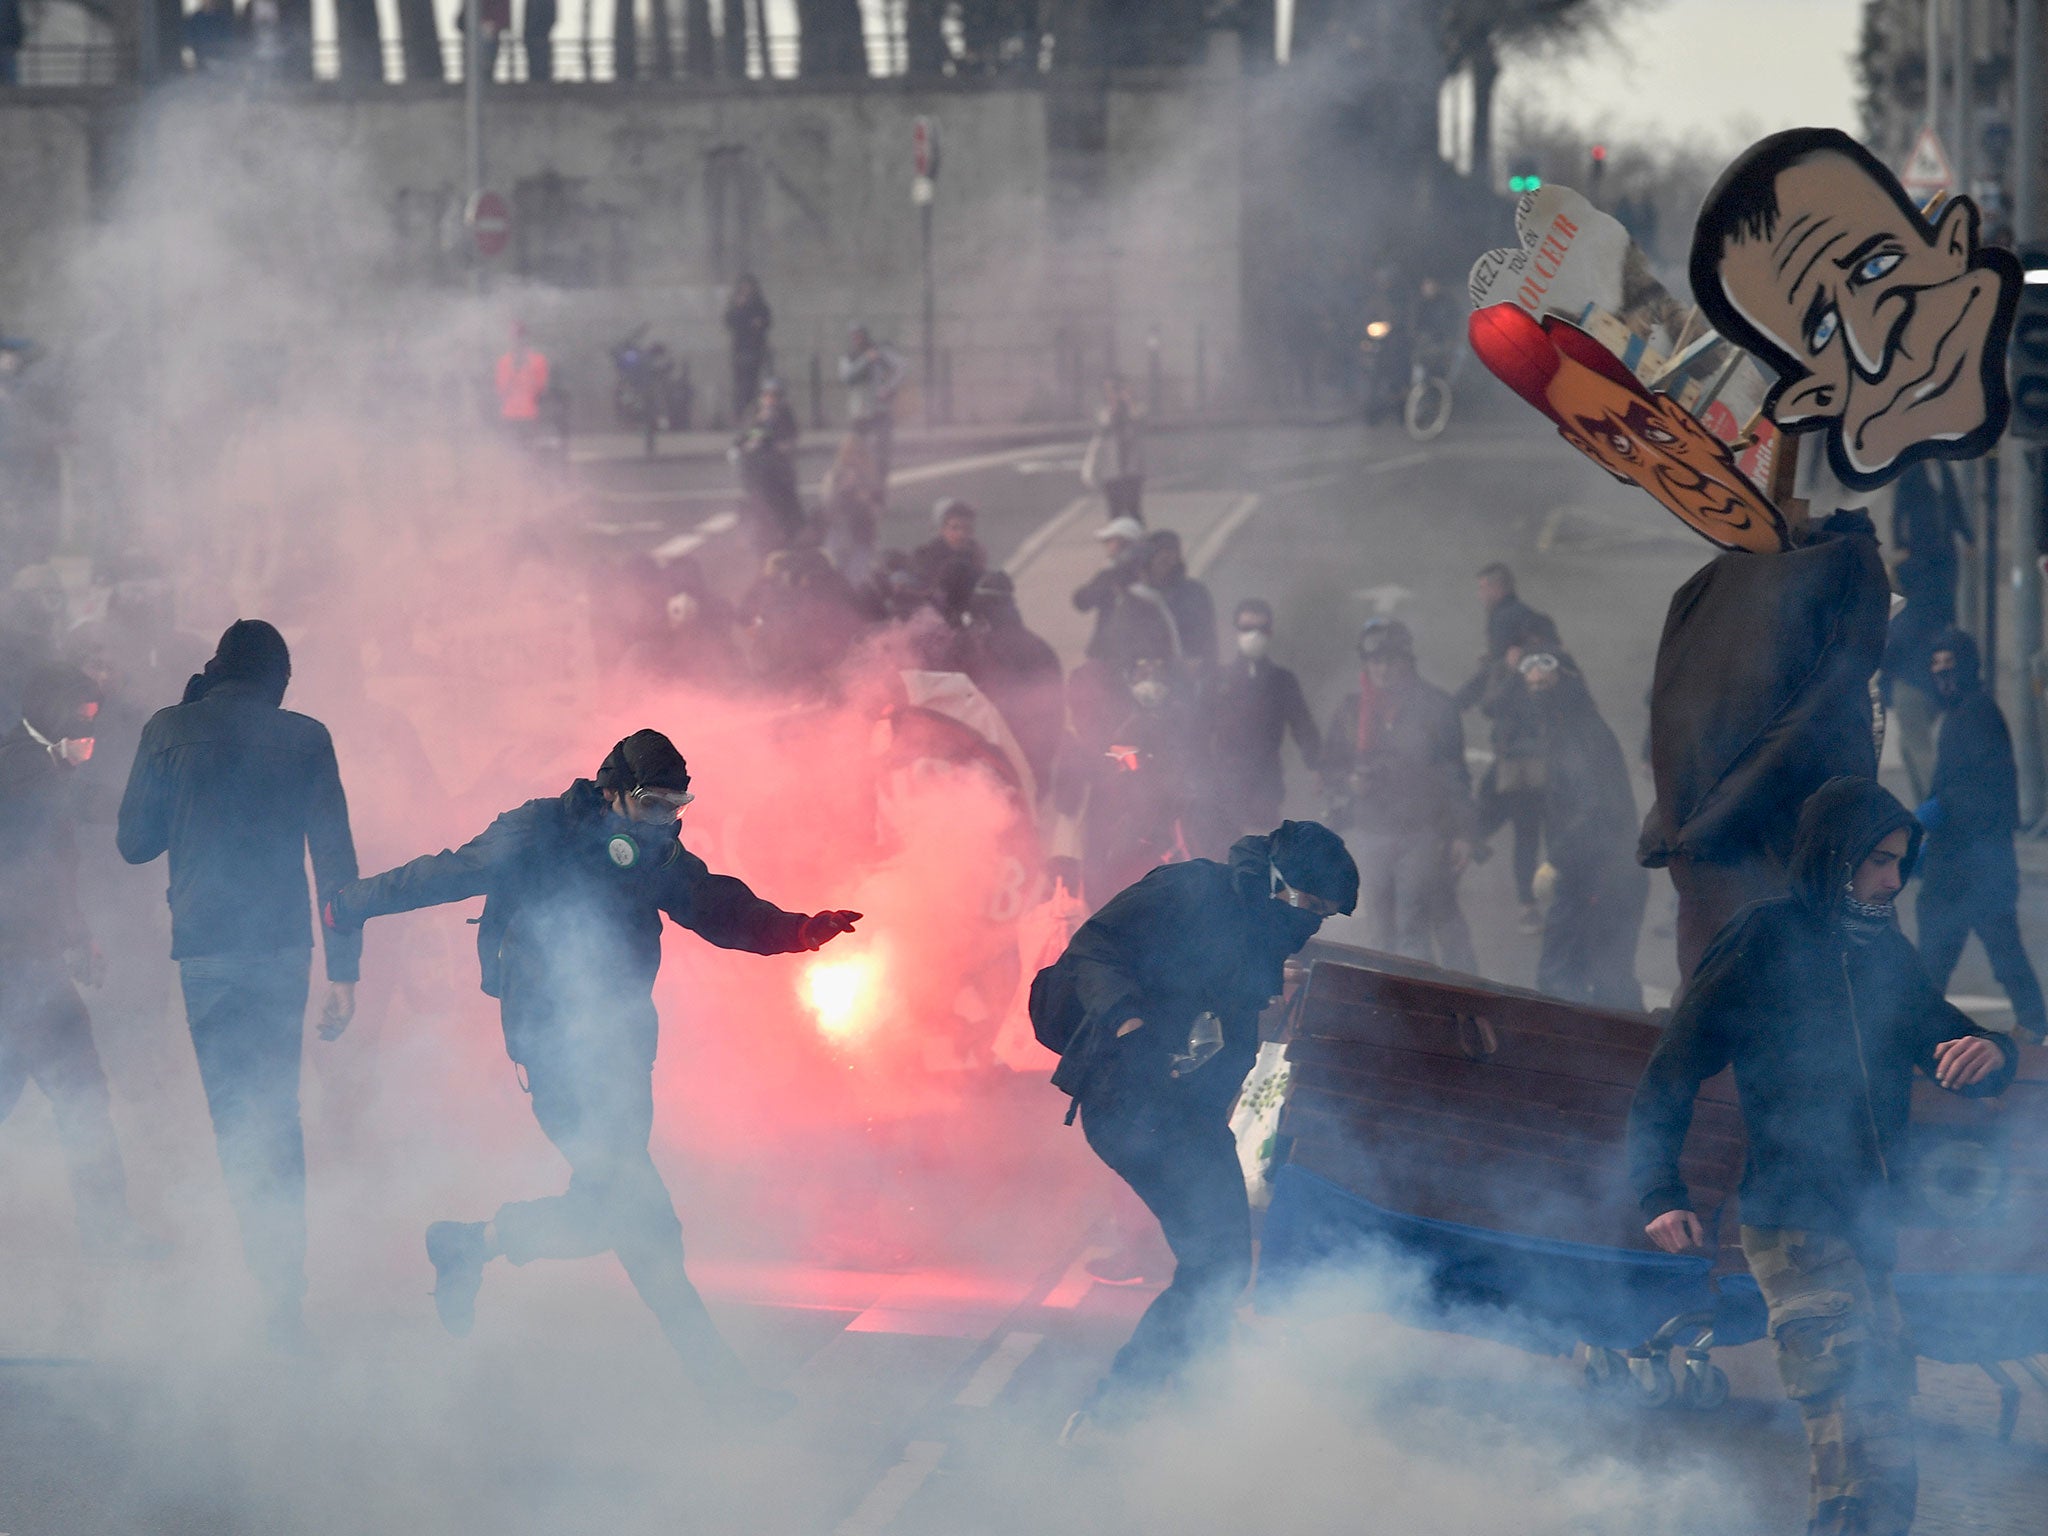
[(1187, 939), (570, 937), (1823, 1035)]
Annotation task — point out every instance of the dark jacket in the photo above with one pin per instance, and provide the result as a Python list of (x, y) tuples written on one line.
[(1407, 772), (1762, 693), (1021, 676), (237, 790), (1975, 796), (747, 323), (1194, 617), (1589, 801), (39, 913), (1823, 1033), (1507, 622), (570, 939), (1129, 626), (1187, 939), (1252, 707)]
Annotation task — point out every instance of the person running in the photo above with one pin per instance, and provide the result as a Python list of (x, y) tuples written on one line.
[(575, 889)]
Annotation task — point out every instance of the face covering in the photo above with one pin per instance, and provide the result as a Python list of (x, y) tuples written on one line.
[(629, 842), (1295, 924), (1863, 921), (1252, 643), (1150, 694), (682, 608)]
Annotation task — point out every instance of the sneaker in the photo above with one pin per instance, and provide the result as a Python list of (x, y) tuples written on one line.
[(456, 1249)]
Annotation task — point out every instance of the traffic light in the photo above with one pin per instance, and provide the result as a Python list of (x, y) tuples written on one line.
[(1598, 169), (2027, 355), (1524, 179)]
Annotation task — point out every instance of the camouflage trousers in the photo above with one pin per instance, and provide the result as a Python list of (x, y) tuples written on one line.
[(1845, 1360)]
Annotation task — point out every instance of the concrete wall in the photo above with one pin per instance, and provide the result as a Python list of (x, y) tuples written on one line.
[(643, 204)]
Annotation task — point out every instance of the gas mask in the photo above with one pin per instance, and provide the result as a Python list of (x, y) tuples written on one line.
[(1296, 914), (1253, 643)]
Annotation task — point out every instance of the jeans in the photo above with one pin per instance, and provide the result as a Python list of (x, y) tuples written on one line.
[(1524, 809), (1948, 914), (46, 1038), (1402, 890), (247, 1014), (1181, 1160), (595, 1100)]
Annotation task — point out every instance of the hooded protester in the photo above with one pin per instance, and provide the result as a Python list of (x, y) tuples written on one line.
[(1761, 694), (574, 891), (1589, 814), (1156, 1004), (46, 949), (1822, 1008), (1969, 876), (238, 790), (1513, 790), (1254, 704), (1164, 576), (1394, 767), (764, 449)]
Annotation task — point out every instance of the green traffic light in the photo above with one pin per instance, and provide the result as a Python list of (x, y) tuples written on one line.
[(1524, 183)]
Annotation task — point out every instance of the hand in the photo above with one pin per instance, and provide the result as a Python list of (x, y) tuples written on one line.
[(339, 1009), (1128, 1026), (821, 928), (88, 965), (1461, 855), (1677, 1231), (1970, 1059)]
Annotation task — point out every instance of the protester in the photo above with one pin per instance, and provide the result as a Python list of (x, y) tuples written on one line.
[(872, 374), (1193, 611), (47, 948), (1133, 786), (1512, 791), (1822, 1008), (1254, 704), (953, 546), (1761, 694), (1394, 767), (1124, 629), (1114, 463), (1154, 1007), (765, 451), (238, 790), (798, 621), (575, 888), (522, 381), (1589, 810), (694, 643), (1018, 672), (1970, 877), (747, 321)]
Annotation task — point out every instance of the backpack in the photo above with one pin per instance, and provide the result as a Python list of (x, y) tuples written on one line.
[(1055, 1007)]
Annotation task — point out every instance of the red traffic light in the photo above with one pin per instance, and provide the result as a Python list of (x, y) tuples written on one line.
[(1599, 152)]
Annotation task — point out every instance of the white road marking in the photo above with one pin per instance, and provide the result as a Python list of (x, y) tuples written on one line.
[(994, 1373), (1074, 1284), (1034, 545), (719, 522), (897, 1488), (946, 467), (1224, 529), (677, 547)]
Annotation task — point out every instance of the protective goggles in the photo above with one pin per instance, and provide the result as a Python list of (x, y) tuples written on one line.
[(1306, 901), (1538, 664), (669, 800)]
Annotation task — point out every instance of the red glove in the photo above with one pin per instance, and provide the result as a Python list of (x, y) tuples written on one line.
[(327, 918), (821, 928)]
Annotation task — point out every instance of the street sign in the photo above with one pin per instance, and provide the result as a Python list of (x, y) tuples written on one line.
[(922, 190), (924, 149), (489, 218), (1928, 174)]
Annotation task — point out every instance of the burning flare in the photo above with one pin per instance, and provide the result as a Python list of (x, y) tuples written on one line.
[(840, 993)]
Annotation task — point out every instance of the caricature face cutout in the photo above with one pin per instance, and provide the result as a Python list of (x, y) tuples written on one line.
[(1887, 332), (1641, 437)]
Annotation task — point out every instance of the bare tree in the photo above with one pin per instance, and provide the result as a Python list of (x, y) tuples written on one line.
[(1475, 32)]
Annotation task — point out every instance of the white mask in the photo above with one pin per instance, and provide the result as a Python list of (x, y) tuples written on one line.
[(1151, 692), (682, 608), (1252, 643)]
